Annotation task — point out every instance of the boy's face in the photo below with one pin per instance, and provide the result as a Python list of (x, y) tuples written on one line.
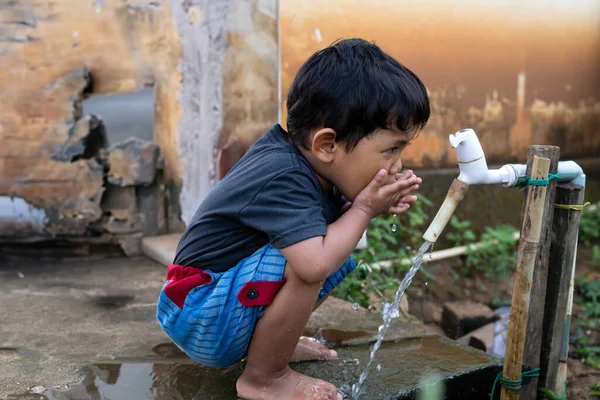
[(351, 172)]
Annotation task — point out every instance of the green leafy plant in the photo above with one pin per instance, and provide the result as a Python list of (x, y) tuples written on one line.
[(497, 256), (589, 289), (411, 224), (596, 256), (460, 233), (369, 280), (589, 355), (497, 303), (589, 225)]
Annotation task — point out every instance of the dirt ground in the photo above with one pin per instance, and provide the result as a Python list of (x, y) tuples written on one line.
[(437, 285)]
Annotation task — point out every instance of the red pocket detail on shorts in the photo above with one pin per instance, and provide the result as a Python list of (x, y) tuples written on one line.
[(184, 279), (259, 293)]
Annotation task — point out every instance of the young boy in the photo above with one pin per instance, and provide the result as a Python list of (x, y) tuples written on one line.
[(276, 234)]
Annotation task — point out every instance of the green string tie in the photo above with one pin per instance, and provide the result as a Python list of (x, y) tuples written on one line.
[(574, 207), (513, 384), (526, 180), (549, 394)]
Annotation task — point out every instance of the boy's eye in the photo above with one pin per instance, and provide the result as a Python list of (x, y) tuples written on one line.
[(392, 150)]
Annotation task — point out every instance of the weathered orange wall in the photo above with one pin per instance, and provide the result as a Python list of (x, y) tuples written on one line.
[(49, 51), (214, 70), (518, 72)]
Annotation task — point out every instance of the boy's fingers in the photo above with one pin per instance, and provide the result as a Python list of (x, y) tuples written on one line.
[(405, 191), (399, 209), (404, 175), (408, 190), (379, 179), (407, 199), (401, 185)]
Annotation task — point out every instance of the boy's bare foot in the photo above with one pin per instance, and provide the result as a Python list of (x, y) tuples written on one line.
[(311, 349), (286, 385)]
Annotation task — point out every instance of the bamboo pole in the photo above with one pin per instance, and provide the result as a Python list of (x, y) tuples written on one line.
[(561, 270), (559, 384), (535, 316), (530, 237)]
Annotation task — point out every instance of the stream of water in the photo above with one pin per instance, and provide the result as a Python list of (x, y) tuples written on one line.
[(387, 319)]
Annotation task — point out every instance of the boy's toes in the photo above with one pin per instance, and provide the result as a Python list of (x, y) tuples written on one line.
[(329, 392), (311, 349), (326, 353)]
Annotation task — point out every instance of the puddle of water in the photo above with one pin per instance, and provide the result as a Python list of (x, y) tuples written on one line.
[(146, 381), (403, 366)]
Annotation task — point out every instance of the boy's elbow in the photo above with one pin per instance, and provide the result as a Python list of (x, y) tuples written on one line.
[(317, 272)]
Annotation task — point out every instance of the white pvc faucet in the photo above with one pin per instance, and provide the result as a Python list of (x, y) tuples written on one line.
[(472, 164), (474, 169)]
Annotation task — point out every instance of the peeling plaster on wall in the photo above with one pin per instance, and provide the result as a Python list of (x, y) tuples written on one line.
[(16, 214), (122, 45), (201, 26), (571, 128)]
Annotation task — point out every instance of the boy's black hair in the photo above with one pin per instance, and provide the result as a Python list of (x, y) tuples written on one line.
[(354, 88)]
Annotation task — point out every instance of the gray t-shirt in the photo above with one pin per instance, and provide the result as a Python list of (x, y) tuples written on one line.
[(271, 195)]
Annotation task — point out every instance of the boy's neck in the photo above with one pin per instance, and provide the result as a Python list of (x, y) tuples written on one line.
[(326, 185)]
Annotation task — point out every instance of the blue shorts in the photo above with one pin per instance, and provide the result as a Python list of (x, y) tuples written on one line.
[(211, 316)]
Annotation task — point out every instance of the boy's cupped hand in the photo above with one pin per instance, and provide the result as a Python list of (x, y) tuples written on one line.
[(388, 194)]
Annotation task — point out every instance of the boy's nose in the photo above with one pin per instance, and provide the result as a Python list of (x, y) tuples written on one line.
[(396, 167)]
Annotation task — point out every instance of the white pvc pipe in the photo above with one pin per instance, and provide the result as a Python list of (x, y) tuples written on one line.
[(569, 171), (440, 254), (474, 169)]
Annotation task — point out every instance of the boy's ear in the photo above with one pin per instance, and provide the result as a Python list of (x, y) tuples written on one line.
[(324, 145)]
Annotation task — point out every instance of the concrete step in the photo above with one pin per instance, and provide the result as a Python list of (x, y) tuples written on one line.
[(161, 248)]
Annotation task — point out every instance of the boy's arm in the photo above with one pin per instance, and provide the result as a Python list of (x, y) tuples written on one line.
[(316, 258)]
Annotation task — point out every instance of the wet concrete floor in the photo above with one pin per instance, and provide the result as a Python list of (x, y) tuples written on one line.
[(86, 329), (399, 369)]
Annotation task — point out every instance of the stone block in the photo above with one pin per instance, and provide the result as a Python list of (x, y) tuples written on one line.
[(341, 323), (428, 311), (481, 338), (119, 205), (462, 317), (151, 201), (133, 162)]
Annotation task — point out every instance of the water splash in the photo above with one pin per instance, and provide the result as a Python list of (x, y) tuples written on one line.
[(387, 320), (389, 308), (355, 306), (319, 336)]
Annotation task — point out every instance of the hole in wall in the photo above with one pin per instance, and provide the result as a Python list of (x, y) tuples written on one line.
[(125, 114)]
